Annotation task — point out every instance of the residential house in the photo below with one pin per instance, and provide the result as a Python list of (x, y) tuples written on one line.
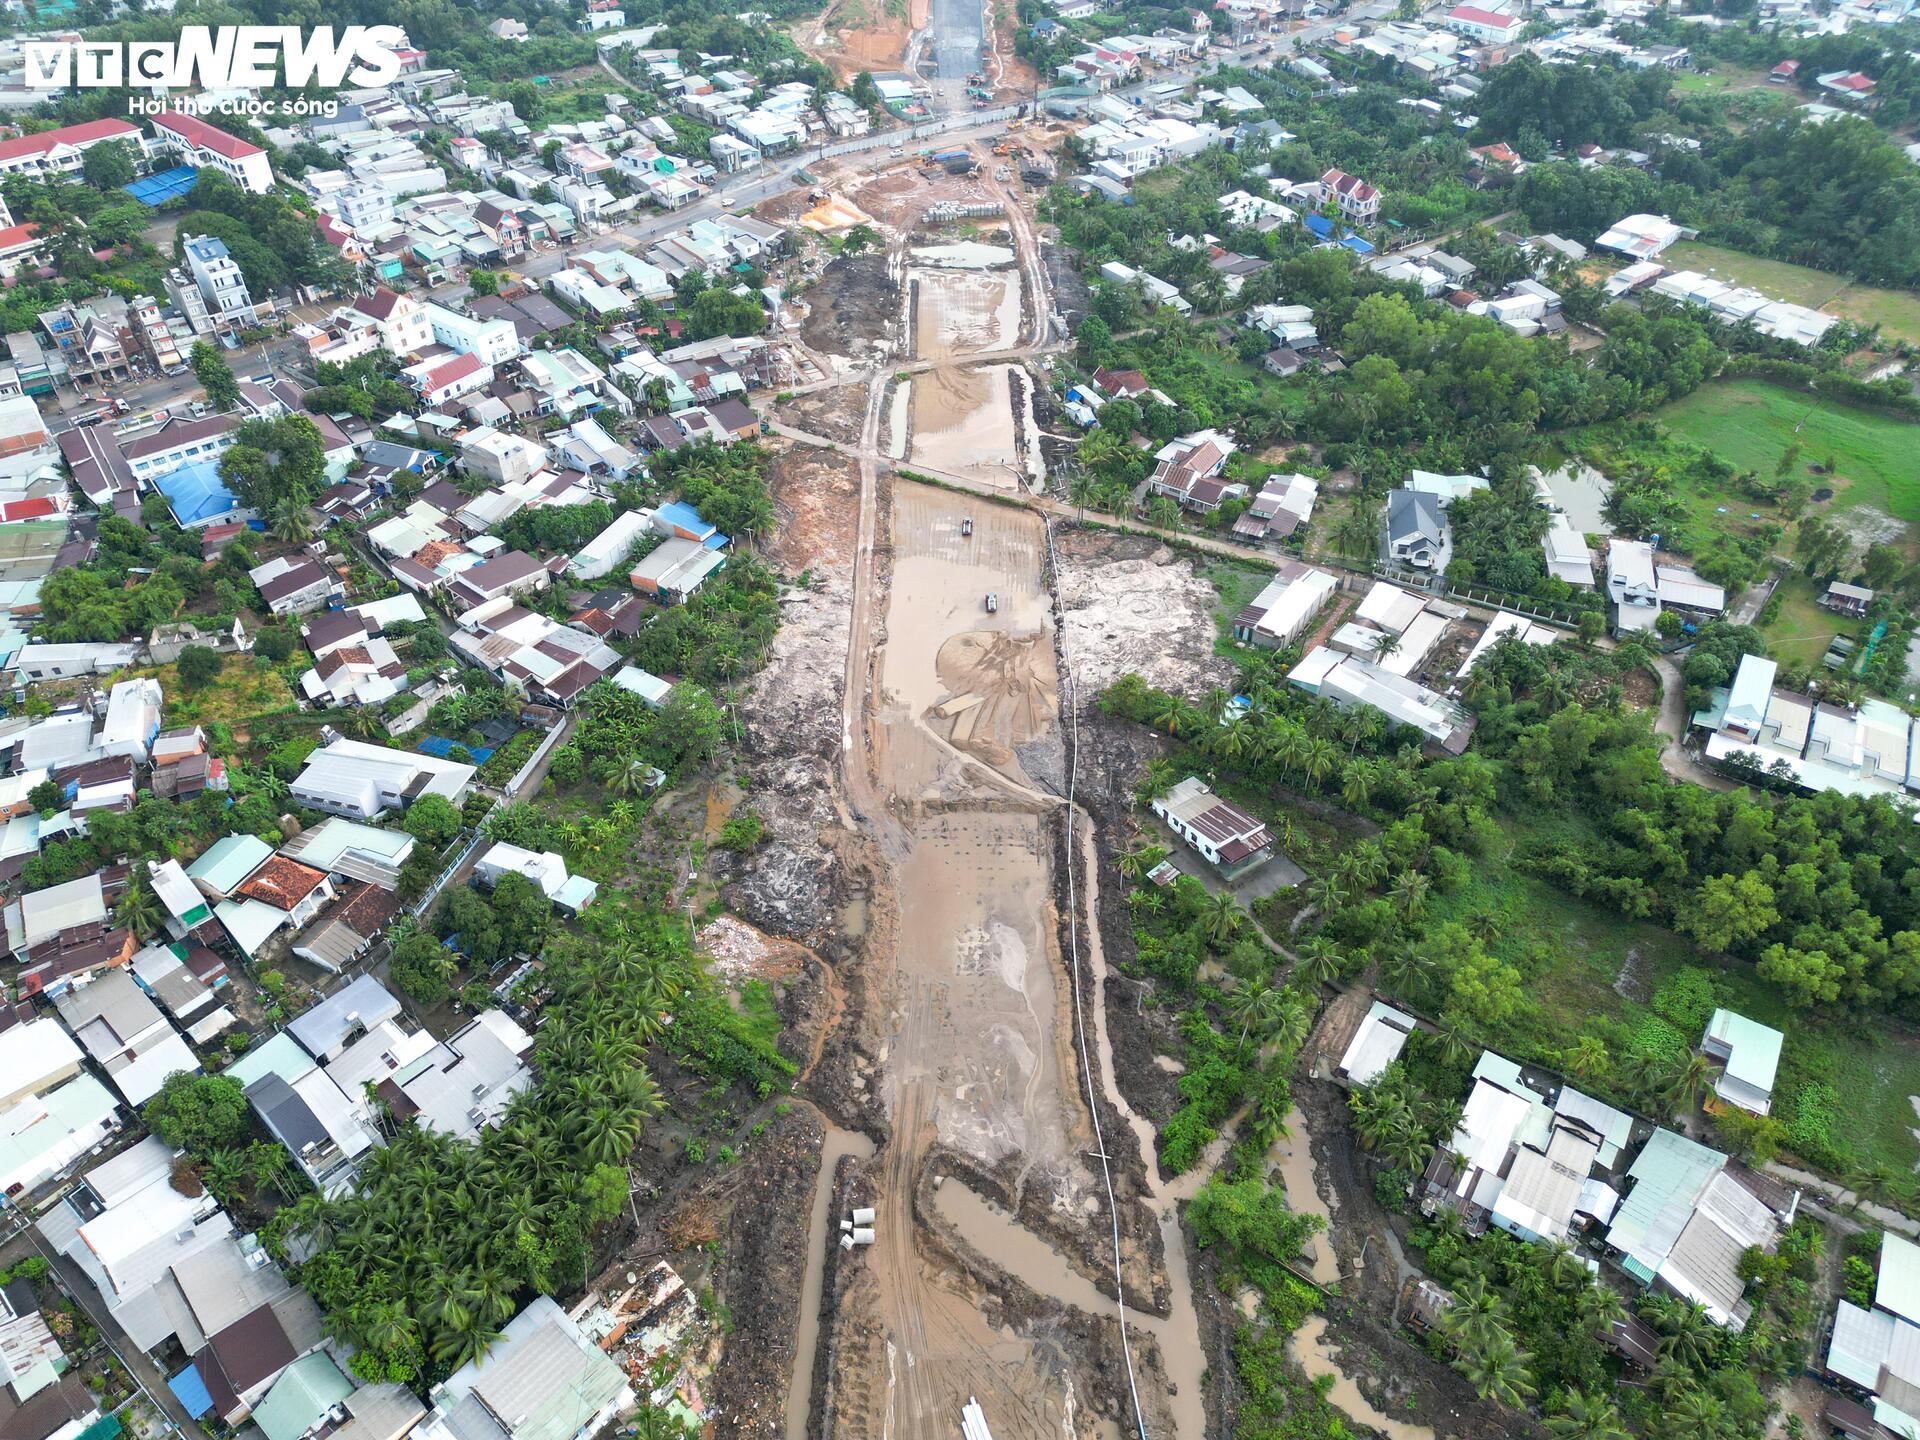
[(1349, 681), (1749, 1054), (296, 585), (359, 781), (1358, 202), (545, 869), (1416, 533), (1852, 600), (1227, 838), (125, 1033), (1281, 612), (542, 1380)]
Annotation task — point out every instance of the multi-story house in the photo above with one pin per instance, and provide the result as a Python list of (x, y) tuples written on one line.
[(94, 350), (167, 341), (222, 287), (1359, 202), (400, 323)]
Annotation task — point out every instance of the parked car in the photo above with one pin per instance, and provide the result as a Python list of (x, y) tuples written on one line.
[(993, 603)]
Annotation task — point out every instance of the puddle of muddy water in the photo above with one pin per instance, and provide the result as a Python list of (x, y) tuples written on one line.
[(899, 406), (1311, 1353), (957, 313), (940, 582), (965, 255), (1292, 1153), (963, 424), (821, 1232), (1017, 1250)]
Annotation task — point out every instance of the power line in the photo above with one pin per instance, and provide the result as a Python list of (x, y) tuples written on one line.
[(1073, 972)]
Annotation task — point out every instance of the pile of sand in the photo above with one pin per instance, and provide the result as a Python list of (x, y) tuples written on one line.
[(1001, 687), (833, 213)]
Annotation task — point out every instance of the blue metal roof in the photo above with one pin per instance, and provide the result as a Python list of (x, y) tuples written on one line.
[(163, 185), (191, 1391), (439, 747), (196, 492), (678, 512)]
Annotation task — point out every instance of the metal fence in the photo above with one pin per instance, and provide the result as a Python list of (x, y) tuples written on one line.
[(923, 130)]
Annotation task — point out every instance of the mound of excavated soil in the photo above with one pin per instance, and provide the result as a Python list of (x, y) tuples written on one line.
[(1149, 617), (1002, 686)]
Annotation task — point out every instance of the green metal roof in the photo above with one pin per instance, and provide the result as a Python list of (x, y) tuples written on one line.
[(227, 862), (1754, 1049), (305, 1391), (1668, 1175)]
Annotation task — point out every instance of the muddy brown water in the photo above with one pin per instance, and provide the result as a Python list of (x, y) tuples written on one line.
[(1308, 1346), (821, 1232), (970, 1028), (962, 423), (957, 313), (1294, 1155)]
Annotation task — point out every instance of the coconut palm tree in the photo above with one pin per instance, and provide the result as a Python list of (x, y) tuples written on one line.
[(1497, 1371), (1132, 864), (1257, 1006), (1690, 1080), (1288, 744), (1173, 715), (1319, 962), (290, 520), (1221, 918), (1294, 1024), (1687, 1334), (1405, 967), (1320, 759), (1159, 778), (1477, 1314), (138, 908), (1586, 1417), (1586, 1056), (1356, 784), (1409, 893)]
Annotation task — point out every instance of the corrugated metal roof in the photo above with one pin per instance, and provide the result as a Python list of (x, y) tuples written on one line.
[(1668, 1175), (1898, 1289)]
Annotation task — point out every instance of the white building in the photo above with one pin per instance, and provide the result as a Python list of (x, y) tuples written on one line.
[(208, 147), (358, 780)]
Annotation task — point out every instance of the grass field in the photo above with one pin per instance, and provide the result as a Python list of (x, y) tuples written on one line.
[(1749, 424), (1801, 630), (248, 687), (1719, 80), (1897, 312), (1602, 966)]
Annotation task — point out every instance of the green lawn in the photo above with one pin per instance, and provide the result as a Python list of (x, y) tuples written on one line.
[(1749, 423), (1897, 312), (1717, 81), (1588, 963), (1801, 631)]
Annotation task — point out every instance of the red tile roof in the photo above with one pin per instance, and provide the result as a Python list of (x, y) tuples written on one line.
[(457, 368), (1474, 15), (197, 132), (282, 883), (83, 134)]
